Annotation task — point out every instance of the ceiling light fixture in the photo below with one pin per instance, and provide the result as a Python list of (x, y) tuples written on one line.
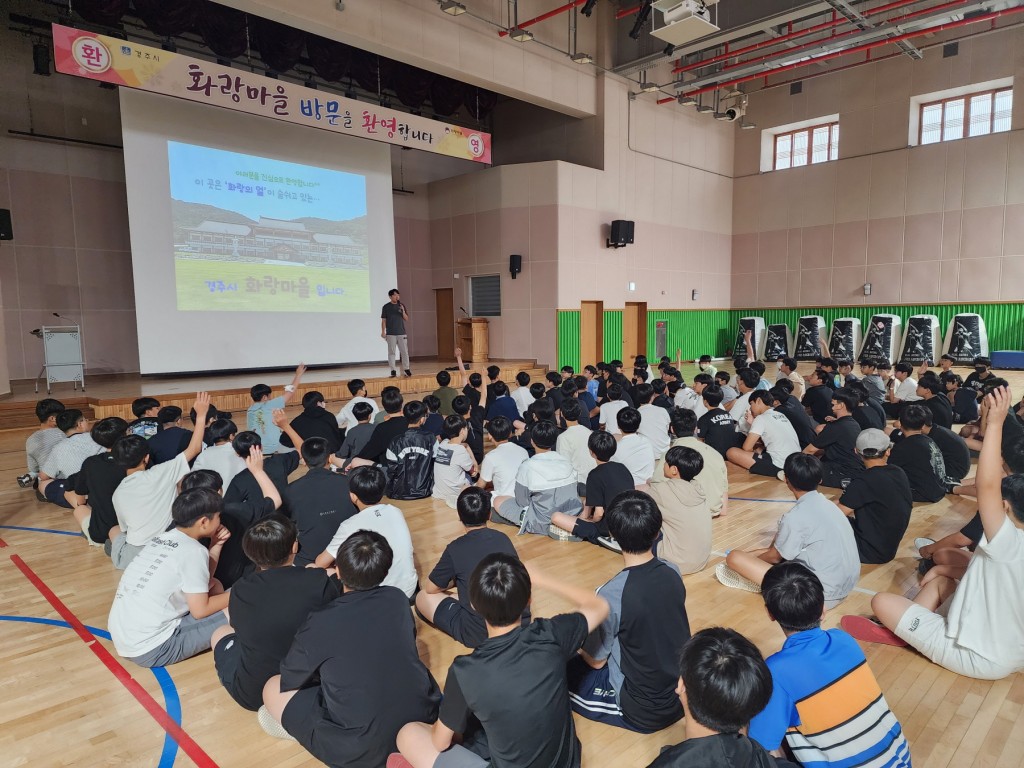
[(686, 101), (583, 58), (705, 108), (452, 8), (745, 126), (520, 35)]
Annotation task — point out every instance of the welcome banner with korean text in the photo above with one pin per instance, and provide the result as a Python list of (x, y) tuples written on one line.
[(116, 61)]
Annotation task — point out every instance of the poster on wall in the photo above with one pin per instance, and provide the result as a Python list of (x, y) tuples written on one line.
[(966, 338), (756, 326), (810, 333), (921, 340), (778, 342), (844, 341), (881, 341)]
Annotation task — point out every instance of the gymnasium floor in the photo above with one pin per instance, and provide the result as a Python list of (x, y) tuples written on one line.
[(67, 700)]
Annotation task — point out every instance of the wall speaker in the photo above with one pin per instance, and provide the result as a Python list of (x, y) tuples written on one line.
[(622, 234), (6, 230), (515, 264)]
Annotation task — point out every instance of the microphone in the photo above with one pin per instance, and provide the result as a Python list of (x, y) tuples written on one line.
[(464, 311), (65, 318)]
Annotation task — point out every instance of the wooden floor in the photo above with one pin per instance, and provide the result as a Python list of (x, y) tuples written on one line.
[(61, 706)]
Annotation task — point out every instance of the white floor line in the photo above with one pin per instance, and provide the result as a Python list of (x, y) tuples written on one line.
[(865, 591), (717, 554)]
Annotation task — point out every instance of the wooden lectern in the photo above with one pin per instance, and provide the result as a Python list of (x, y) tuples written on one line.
[(471, 335)]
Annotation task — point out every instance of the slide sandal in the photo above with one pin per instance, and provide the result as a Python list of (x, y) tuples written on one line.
[(864, 629), (733, 580)]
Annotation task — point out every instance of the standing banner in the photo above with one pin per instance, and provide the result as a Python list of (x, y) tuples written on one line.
[(921, 340), (112, 60), (778, 342), (754, 324), (966, 338), (810, 332), (845, 339), (882, 340)]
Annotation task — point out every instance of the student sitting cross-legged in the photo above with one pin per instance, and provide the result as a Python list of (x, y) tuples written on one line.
[(826, 704), (40, 442), (455, 616), (358, 435), (454, 465), (723, 683), (92, 499), (836, 441), (634, 451), (267, 609), (773, 430), (166, 607), (353, 676), (501, 464), (220, 456), (919, 456), (813, 532), (685, 509), (59, 468), (977, 632), (626, 673), (509, 699)]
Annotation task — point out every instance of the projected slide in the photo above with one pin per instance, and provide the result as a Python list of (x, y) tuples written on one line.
[(253, 234)]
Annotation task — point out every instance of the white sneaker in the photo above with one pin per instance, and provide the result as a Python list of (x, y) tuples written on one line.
[(609, 543), (85, 532), (271, 727), (922, 542), (730, 578)]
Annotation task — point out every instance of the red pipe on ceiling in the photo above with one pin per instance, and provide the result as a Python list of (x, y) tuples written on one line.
[(624, 12), (790, 36), (544, 16), (857, 49)]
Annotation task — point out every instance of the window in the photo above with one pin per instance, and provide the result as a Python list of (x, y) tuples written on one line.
[(972, 114), (485, 295), (813, 144)]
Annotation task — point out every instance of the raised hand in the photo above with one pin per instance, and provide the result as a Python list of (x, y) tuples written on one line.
[(201, 405), (254, 461), (279, 417)]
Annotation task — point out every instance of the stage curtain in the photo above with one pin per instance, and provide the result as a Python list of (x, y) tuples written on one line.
[(329, 58), (280, 46), (480, 102), (223, 29), (446, 95), (412, 84), (164, 18), (372, 72), (106, 12)]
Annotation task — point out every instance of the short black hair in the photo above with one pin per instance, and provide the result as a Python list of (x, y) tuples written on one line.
[(355, 386), (981, 360), (500, 388), (722, 376), (258, 392), (784, 384), (932, 384), (713, 395), (363, 560), (789, 362), (544, 435), (522, 378), (803, 471), (433, 403), (443, 378), (315, 452), (168, 414), (821, 375), (591, 369), (475, 379), (628, 420), (312, 399), (499, 589), (391, 399), (614, 392), (68, 419), (688, 461), (48, 407), (793, 596), (414, 411), (659, 386), (537, 390), (192, 506), (704, 359), (142, 404), (572, 409), (244, 442), (704, 378), (948, 377), (727, 682), (553, 378), (758, 367), (269, 542), (368, 484), (847, 397), (499, 428), (393, 291), (202, 478), (602, 445), (634, 521), (903, 368), (749, 377), (493, 372), (453, 425), (461, 405), (828, 362), (363, 411), (542, 409), (868, 362), (568, 388), (644, 392), (130, 451), (221, 429), (683, 422), (1012, 489), (844, 363), (858, 388), (761, 396), (473, 506), (106, 431), (914, 416)]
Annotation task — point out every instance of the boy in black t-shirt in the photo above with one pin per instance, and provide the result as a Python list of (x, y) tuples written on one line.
[(172, 438), (267, 609), (837, 441), (716, 427), (92, 499), (454, 615), (626, 674), (521, 665), (932, 392), (818, 398), (145, 410), (364, 641), (918, 455), (604, 482), (963, 400)]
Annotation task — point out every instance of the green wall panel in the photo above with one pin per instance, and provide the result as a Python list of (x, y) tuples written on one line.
[(694, 332), (613, 334), (569, 339)]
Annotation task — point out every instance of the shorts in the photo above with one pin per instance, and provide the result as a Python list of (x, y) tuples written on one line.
[(511, 512), (54, 493), (592, 696), (460, 623), (121, 552), (457, 756), (589, 531), (926, 632), (763, 465), (581, 490), (833, 476), (191, 637), (227, 655), (973, 530)]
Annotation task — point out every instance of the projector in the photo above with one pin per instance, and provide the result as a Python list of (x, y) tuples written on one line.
[(682, 21)]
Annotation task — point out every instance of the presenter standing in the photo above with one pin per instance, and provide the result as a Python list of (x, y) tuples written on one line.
[(392, 328)]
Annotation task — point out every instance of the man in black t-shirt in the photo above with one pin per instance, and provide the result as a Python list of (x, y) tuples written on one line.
[(956, 456), (981, 378), (604, 482), (365, 641), (454, 615), (932, 392), (394, 424), (837, 441), (524, 665), (267, 609), (716, 427), (818, 398), (96, 481), (791, 408), (879, 502), (172, 438), (918, 455), (393, 317), (278, 467)]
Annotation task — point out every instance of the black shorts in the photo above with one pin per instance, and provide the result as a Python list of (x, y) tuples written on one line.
[(306, 718), (460, 623), (973, 530), (763, 465), (54, 493), (227, 656), (834, 477), (588, 531)]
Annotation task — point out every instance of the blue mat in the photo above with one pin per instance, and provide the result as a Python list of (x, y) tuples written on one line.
[(1008, 359)]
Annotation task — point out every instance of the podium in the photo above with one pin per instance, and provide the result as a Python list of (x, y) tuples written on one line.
[(471, 335), (62, 355)]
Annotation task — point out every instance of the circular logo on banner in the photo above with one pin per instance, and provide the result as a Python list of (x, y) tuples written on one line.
[(476, 145), (91, 55)]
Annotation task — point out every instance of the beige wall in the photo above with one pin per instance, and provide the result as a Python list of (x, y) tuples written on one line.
[(937, 223)]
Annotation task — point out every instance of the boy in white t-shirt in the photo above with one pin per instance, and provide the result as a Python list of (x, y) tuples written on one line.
[(572, 443), (453, 461), (771, 428), (347, 419), (167, 607), (611, 407), (501, 464), (221, 456), (974, 628), (366, 489), (634, 451), (654, 420)]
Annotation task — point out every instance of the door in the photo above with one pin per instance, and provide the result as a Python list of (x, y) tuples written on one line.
[(444, 304), (591, 332), (634, 330)]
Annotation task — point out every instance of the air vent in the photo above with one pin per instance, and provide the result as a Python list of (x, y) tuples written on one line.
[(950, 49), (796, 88)]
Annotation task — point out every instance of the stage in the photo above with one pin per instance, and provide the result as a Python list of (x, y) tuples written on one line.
[(109, 395)]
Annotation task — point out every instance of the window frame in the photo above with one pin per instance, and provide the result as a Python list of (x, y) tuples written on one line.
[(966, 98), (833, 129)]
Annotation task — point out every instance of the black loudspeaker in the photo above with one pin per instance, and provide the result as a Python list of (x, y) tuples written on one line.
[(622, 234), (515, 264), (6, 230)]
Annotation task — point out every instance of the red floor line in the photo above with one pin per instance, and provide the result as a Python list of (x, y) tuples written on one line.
[(2, 543), (188, 746)]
